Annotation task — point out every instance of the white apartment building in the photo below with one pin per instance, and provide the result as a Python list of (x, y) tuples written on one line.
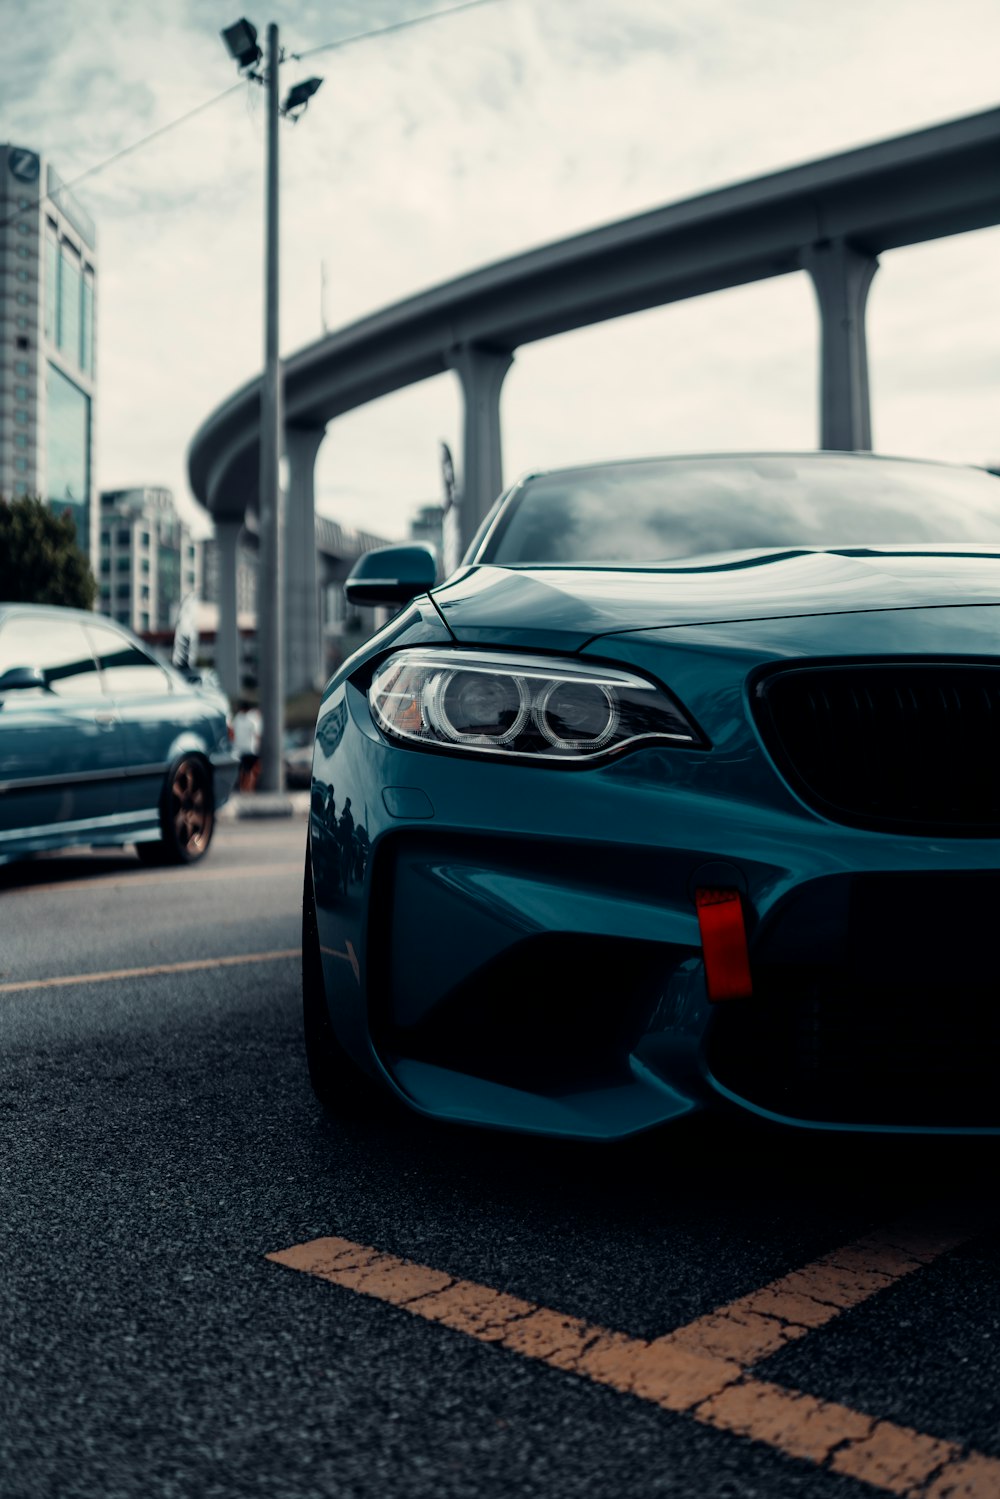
[(149, 560)]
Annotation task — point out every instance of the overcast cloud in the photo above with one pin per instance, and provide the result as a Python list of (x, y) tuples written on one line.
[(439, 149)]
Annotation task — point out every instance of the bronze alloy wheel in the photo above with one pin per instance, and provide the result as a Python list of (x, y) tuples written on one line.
[(189, 808)]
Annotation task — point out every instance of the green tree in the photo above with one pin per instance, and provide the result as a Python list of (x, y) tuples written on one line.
[(40, 561)]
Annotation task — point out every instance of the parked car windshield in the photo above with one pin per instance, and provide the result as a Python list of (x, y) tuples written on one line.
[(657, 511)]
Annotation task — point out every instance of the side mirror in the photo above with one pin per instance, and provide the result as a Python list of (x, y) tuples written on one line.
[(391, 575), (20, 677)]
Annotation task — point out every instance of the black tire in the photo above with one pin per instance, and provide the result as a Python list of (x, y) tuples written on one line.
[(187, 814), (341, 1087)]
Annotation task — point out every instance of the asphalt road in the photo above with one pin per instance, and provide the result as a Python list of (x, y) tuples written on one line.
[(158, 1140)]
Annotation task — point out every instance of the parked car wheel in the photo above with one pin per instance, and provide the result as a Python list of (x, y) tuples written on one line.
[(340, 1087), (187, 815)]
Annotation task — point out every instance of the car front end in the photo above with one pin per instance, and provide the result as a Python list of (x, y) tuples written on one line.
[(523, 947), (626, 840)]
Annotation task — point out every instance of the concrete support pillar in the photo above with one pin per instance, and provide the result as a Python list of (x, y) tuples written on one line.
[(841, 276), (227, 637), (303, 657), (481, 369)]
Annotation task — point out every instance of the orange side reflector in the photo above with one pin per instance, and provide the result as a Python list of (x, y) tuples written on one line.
[(724, 942)]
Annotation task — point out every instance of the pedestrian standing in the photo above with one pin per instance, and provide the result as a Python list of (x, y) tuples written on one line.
[(247, 729)]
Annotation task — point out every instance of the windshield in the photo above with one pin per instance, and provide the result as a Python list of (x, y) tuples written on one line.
[(658, 511)]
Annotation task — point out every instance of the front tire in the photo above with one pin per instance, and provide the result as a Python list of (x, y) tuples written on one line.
[(187, 815), (340, 1086)]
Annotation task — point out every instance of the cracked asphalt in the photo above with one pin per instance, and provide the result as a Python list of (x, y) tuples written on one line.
[(158, 1140)]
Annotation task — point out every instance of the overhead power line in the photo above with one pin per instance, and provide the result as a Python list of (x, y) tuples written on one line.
[(125, 151), (344, 41), (364, 36)]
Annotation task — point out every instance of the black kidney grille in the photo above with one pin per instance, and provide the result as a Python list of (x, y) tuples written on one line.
[(900, 746)]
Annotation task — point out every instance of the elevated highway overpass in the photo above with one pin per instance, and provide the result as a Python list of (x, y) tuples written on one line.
[(832, 218)]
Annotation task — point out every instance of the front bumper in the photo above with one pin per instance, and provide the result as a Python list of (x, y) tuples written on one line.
[(519, 947)]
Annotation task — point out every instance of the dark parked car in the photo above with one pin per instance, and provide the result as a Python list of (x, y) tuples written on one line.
[(102, 744), (682, 792), (298, 759)]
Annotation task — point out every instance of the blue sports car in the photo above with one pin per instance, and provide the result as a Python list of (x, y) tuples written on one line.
[(102, 744), (683, 791)]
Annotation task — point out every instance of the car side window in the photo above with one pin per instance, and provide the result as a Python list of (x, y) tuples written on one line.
[(58, 648), (128, 671)]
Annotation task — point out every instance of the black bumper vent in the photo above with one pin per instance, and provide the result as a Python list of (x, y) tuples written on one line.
[(908, 747), (820, 1047)]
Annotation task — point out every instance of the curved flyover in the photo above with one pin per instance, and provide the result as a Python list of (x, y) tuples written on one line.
[(831, 217)]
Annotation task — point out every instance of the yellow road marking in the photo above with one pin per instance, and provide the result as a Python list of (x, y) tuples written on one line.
[(702, 1369), (140, 881), (65, 981)]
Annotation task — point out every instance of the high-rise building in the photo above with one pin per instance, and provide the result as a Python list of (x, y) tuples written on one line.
[(48, 274), (149, 560)]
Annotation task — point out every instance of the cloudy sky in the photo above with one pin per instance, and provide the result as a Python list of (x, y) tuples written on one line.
[(445, 147)]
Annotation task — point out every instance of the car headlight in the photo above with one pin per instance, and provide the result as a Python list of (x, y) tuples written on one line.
[(534, 707)]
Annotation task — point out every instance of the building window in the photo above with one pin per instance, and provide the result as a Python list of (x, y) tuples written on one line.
[(105, 564), (23, 251), (20, 366), (20, 392), (68, 451), (70, 304), (21, 465), (21, 418), (23, 228), (123, 564), (105, 538), (22, 275), (22, 299), (51, 283), (124, 536), (22, 322), (87, 322), (20, 439)]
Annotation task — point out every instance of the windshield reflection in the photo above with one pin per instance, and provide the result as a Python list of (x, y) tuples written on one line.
[(663, 510)]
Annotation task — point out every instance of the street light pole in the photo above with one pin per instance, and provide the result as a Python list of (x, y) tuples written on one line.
[(241, 43), (270, 583)]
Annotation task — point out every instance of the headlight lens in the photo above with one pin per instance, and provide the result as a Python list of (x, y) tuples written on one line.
[(533, 707)]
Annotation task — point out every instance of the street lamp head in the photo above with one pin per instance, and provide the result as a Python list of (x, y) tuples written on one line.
[(300, 94), (241, 40)]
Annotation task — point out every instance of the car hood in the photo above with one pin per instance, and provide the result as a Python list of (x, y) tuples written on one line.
[(560, 608)]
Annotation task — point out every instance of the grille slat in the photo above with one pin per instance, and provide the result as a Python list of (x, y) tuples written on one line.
[(902, 746)]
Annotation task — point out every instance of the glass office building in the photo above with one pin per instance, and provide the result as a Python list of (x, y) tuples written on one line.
[(68, 450), (48, 274)]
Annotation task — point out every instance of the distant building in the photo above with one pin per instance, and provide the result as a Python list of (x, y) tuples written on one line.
[(48, 377), (428, 525), (149, 560), (342, 628)]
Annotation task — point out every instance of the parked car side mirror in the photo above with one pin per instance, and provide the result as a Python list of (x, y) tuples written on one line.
[(391, 575), (17, 678)]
